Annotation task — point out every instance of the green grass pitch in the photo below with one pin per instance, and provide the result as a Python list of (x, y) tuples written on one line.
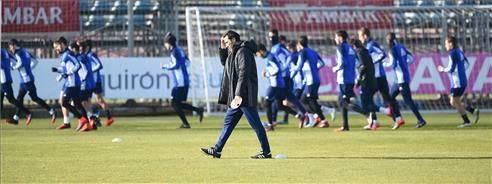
[(153, 150)]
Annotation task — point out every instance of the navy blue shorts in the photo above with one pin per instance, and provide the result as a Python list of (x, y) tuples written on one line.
[(71, 93), (28, 86), (98, 89), (179, 94), (86, 95), (457, 92), (7, 89), (311, 91), (346, 90), (275, 93)]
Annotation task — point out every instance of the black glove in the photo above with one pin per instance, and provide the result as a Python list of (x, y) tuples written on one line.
[(64, 75), (54, 69)]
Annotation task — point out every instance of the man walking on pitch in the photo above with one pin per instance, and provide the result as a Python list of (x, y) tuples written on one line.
[(178, 68), (239, 90)]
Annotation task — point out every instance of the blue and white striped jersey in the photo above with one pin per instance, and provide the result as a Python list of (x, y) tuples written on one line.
[(274, 71), (297, 77), (309, 63), (398, 61), (346, 62), (70, 65), (456, 68), (5, 73), (24, 65), (282, 53), (96, 66), (178, 67), (377, 55), (85, 73)]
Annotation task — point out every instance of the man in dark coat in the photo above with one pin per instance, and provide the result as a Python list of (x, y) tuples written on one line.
[(239, 90)]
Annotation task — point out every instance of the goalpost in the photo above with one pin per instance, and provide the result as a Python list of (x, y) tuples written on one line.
[(421, 29)]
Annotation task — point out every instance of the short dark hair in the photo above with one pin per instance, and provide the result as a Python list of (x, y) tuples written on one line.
[(61, 40), (231, 34), (292, 44), (274, 31), (365, 31), (303, 40), (82, 43), (74, 46), (282, 38), (88, 43), (262, 47), (170, 38), (357, 43), (452, 40), (13, 42), (343, 34)]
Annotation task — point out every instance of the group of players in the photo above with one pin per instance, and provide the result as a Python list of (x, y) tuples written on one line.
[(80, 70), (292, 70), (293, 73)]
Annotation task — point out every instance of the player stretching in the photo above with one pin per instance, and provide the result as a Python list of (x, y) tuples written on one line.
[(398, 56), (180, 76), (68, 69), (7, 91), (456, 70), (24, 64), (98, 89)]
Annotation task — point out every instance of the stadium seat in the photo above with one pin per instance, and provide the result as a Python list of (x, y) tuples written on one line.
[(100, 6), (407, 3), (120, 6), (143, 5), (425, 3), (84, 5)]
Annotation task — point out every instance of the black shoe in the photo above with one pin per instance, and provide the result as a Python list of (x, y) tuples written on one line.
[(420, 124), (184, 126), (12, 121), (261, 155), (211, 152), (200, 114), (97, 121)]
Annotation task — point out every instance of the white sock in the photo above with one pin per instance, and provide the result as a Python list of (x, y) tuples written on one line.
[(52, 111), (66, 120), (89, 114), (311, 118), (398, 118), (16, 118), (70, 115), (315, 116)]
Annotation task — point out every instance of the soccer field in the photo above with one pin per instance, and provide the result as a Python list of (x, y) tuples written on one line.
[(153, 150)]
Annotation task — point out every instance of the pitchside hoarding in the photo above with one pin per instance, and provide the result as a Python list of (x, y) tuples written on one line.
[(42, 17), (142, 77), (313, 20)]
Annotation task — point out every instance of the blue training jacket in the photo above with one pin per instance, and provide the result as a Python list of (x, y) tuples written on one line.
[(178, 67), (346, 62), (456, 68)]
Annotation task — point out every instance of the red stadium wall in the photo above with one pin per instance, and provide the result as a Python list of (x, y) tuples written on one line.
[(40, 16)]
